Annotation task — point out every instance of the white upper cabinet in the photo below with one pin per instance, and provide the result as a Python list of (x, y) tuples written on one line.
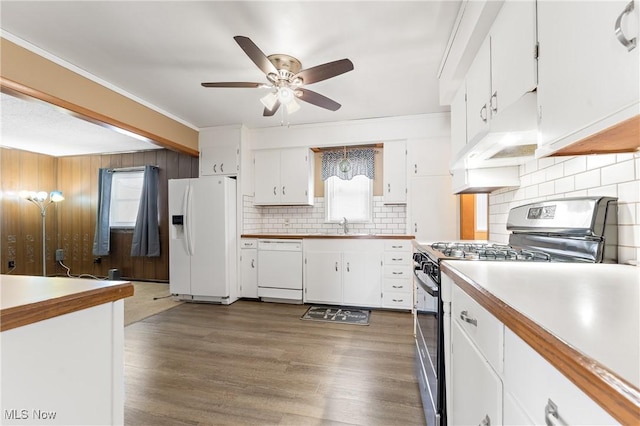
[(283, 177), (588, 78), (429, 157), (219, 150), (394, 171), (514, 68), (500, 94), (479, 93)]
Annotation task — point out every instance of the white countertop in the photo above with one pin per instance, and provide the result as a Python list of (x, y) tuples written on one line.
[(594, 308)]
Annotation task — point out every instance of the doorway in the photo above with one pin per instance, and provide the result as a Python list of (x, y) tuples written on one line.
[(474, 216)]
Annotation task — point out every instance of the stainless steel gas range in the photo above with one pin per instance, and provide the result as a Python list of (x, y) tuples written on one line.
[(581, 229)]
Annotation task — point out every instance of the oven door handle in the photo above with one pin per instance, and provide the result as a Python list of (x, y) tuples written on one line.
[(431, 289)]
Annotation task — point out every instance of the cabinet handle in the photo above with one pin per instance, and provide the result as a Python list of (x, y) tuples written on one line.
[(348, 269), (336, 266), (283, 191), (415, 227), (398, 300), (397, 273), (629, 44), (494, 102), (221, 167), (415, 168), (483, 113), (214, 168), (253, 263), (396, 246), (464, 316), (396, 259), (274, 191), (388, 187), (397, 286), (486, 421), (551, 415)]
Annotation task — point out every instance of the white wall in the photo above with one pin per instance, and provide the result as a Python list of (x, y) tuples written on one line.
[(615, 175)]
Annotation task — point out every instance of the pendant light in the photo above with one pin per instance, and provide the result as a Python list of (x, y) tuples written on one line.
[(345, 165)]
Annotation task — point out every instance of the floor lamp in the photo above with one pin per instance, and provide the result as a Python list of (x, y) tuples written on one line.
[(39, 199)]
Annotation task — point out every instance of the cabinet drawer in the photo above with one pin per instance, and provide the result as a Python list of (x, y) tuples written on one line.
[(248, 244), (533, 382), (481, 327), (397, 271), (398, 245), (397, 285), (398, 258), (397, 300)]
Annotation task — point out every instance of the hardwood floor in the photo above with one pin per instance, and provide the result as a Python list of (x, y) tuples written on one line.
[(258, 363)]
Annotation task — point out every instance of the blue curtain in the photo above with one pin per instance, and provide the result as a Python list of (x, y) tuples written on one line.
[(146, 234), (360, 163), (101, 237)]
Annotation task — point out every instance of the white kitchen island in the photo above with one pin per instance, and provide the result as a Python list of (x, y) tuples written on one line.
[(62, 349), (581, 320)]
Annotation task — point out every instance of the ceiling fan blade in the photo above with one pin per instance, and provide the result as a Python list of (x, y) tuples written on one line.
[(317, 99), (325, 71), (255, 54), (269, 112), (235, 84)]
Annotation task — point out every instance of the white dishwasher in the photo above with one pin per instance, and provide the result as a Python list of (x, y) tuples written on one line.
[(280, 270)]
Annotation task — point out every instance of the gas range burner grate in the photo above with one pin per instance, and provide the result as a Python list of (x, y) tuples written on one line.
[(488, 251)]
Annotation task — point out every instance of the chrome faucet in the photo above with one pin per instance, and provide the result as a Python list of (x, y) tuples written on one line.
[(345, 225)]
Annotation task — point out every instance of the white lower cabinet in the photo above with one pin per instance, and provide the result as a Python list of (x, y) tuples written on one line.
[(477, 389), (249, 268), (495, 377), (536, 386), (343, 272)]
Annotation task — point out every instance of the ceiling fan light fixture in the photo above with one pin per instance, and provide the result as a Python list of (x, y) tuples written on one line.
[(269, 100), (285, 95), (292, 106)]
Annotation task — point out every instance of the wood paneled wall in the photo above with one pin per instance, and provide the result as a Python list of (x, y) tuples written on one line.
[(71, 223)]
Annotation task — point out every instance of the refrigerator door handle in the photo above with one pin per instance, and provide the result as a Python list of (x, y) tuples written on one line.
[(186, 208)]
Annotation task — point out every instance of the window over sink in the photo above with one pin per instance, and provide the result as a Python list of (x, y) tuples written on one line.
[(352, 199)]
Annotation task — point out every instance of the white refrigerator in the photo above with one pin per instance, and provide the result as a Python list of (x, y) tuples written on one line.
[(202, 241)]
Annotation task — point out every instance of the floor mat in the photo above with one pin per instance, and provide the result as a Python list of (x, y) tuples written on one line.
[(337, 315)]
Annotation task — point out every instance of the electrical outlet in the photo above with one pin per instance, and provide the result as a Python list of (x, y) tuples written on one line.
[(59, 255), (97, 260), (12, 264)]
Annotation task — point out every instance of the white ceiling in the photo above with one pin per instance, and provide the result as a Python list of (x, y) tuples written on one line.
[(160, 52)]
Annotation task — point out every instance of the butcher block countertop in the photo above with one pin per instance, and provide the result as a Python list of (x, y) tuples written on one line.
[(582, 318), (27, 299), (320, 235)]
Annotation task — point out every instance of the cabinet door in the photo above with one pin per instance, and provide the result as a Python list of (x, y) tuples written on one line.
[(394, 171), (267, 177), (478, 93), (295, 176), (433, 214), (513, 58), (429, 157), (219, 160), (361, 272), (476, 389), (249, 273), (587, 79), (323, 277)]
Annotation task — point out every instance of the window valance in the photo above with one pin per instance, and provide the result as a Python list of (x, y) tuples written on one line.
[(360, 163)]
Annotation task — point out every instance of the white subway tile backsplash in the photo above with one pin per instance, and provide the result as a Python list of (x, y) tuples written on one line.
[(598, 161), (629, 192), (590, 179), (575, 165), (554, 172), (545, 188), (619, 172), (305, 219), (605, 191)]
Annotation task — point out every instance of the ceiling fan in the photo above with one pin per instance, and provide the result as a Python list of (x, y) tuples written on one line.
[(285, 77)]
